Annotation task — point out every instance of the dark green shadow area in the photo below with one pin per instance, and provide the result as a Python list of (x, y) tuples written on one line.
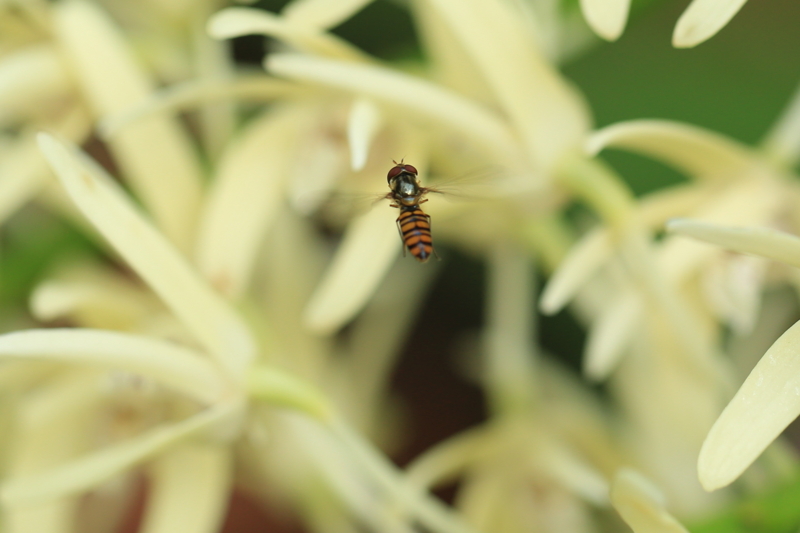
[(32, 243)]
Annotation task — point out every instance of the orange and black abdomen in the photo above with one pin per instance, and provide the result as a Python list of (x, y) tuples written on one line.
[(415, 229)]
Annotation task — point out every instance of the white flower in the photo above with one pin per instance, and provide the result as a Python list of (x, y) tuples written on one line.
[(192, 439)]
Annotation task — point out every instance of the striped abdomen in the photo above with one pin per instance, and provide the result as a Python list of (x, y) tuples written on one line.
[(415, 230)]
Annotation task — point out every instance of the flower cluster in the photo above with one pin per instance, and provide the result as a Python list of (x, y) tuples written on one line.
[(219, 339)]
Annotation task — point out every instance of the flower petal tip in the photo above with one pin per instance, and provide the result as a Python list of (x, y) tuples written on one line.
[(606, 18), (709, 473), (226, 23)]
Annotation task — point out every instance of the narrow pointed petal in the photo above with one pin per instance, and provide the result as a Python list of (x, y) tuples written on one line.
[(24, 172), (93, 469), (767, 402), (697, 152), (764, 242), (641, 504), (237, 21), (582, 262), (245, 198), (610, 336), (606, 17), (204, 313), (155, 155), (747, 202), (364, 123), (702, 20), (189, 94), (171, 365), (189, 490), (425, 100), (322, 14), (368, 248)]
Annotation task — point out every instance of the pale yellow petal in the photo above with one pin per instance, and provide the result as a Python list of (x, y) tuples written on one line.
[(369, 246), (189, 490), (323, 14), (764, 242), (204, 313), (172, 365), (238, 21), (282, 389), (702, 19), (193, 93), (447, 459), (155, 154), (106, 303), (364, 123), (56, 516), (767, 402), (450, 63), (582, 262), (245, 197), (606, 17), (53, 425), (571, 470), (641, 504), (546, 111), (32, 81), (93, 469), (412, 95), (510, 356), (697, 152), (610, 335)]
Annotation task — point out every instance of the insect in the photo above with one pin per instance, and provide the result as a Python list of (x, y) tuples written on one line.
[(413, 224)]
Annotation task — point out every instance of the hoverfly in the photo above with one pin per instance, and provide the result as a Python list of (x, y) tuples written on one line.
[(413, 224)]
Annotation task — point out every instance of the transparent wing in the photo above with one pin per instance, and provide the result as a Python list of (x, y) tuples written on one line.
[(483, 183), (343, 205)]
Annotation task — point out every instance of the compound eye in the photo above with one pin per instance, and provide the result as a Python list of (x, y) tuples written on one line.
[(410, 169), (394, 172)]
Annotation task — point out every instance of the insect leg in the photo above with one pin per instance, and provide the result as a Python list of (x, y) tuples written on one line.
[(402, 240)]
